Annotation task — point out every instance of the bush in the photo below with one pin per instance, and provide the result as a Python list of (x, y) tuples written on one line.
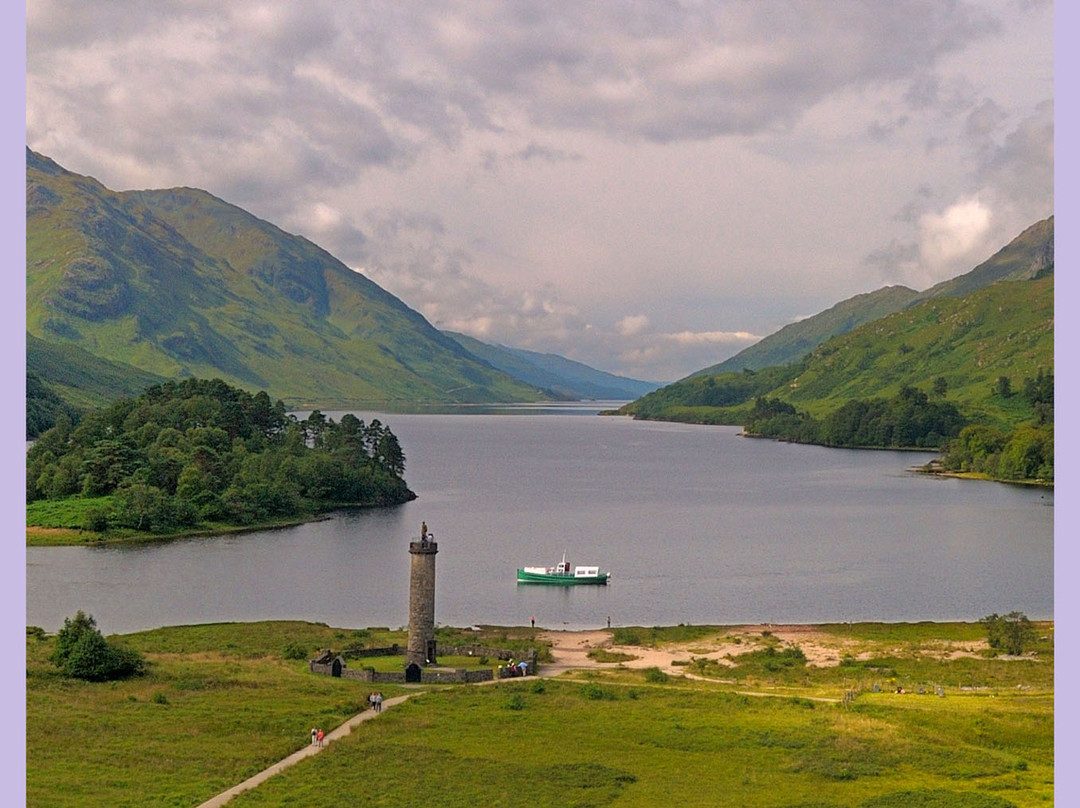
[(595, 692), (295, 650), (655, 675), (1010, 633), (82, 653)]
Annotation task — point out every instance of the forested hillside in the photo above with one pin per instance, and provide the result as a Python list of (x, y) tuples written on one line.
[(200, 452), (971, 376)]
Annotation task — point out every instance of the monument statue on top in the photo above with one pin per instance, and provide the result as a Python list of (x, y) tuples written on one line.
[(421, 648)]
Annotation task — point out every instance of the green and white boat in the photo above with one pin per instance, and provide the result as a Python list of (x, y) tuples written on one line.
[(562, 574)]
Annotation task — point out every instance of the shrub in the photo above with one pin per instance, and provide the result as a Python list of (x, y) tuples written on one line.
[(295, 650), (595, 692), (1010, 633), (655, 675), (82, 653)]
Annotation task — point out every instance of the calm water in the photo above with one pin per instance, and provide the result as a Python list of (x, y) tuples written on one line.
[(697, 525)]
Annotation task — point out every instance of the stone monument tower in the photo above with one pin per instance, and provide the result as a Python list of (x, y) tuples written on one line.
[(421, 649)]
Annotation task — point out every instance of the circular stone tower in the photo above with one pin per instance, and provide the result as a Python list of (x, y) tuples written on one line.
[(421, 649)]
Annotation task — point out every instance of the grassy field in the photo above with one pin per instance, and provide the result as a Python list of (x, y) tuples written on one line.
[(222, 702)]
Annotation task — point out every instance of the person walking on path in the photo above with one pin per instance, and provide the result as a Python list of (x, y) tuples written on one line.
[(378, 702), (219, 800), (314, 735), (319, 737)]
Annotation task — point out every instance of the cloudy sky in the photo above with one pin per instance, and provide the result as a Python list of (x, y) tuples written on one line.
[(647, 187)]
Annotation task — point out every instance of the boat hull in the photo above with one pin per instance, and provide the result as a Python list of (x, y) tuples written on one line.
[(560, 579)]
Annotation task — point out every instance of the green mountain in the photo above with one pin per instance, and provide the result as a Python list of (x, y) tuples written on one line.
[(1006, 329), (179, 283), (957, 348), (1029, 255), (82, 379), (561, 377), (795, 340)]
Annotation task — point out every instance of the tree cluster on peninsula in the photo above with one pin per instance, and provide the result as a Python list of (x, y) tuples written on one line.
[(200, 451)]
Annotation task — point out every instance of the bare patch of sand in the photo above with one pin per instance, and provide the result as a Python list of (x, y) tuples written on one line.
[(570, 649)]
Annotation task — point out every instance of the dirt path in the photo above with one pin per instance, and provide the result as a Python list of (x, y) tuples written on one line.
[(300, 754)]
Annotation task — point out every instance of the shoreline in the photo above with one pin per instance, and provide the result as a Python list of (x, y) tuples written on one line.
[(37, 535)]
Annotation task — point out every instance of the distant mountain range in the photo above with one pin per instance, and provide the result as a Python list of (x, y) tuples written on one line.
[(1028, 256), (561, 377), (125, 289)]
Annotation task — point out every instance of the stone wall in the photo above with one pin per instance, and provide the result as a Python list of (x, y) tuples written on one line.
[(367, 674)]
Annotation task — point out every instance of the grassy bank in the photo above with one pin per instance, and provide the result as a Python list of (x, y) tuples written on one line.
[(222, 702), (55, 523)]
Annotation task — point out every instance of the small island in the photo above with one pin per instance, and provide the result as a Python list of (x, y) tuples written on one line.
[(199, 456)]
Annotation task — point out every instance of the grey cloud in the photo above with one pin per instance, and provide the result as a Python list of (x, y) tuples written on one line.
[(984, 119), (412, 73), (1021, 170), (534, 151), (895, 261)]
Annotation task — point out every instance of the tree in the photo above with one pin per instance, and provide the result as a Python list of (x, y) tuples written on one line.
[(941, 386), (1010, 633), (81, 652)]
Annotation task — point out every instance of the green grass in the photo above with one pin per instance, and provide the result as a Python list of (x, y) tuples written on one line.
[(58, 522), (221, 703)]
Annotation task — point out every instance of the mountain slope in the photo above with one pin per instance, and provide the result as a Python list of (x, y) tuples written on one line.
[(82, 379), (562, 377), (1006, 329), (1003, 330), (795, 340), (1029, 255), (179, 283)]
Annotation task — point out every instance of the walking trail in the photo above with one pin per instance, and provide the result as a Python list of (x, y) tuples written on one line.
[(300, 754), (570, 651)]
